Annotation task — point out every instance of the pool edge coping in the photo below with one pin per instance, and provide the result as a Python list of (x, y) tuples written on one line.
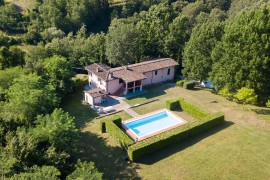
[(136, 138)]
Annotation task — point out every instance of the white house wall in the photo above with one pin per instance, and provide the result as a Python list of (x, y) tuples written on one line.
[(160, 77), (113, 86), (94, 82), (88, 99), (148, 79)]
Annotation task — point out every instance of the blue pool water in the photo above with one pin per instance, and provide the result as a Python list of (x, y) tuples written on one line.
[(153, 123)]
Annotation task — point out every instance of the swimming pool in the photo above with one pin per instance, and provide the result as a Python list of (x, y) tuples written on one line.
[(152, 124)]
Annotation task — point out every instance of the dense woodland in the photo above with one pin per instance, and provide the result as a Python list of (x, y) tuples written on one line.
[(226, 41)]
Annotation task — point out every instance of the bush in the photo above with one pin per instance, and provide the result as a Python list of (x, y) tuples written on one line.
[(175, 135), (189, 85), (226, 93), (172, 104), (192, 110), (102, 122), (112, 125), (268, 103), (180, 83), (246, 96)]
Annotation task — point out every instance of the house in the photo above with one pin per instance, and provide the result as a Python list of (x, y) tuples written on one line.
[(128, 78)]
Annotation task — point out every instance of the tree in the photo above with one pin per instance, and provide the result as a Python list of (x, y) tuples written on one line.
[(192, 10), (59, 73), (11, 20), (57, 129), (27, 97), (36, 172), (51, 33), (180, 30), (6, 79), (242, 58), (197, 60), (246, 5), (10, 57), (7, 164), (85, 170), (123, 44), (34, 59), (22, 146), (153, 27)]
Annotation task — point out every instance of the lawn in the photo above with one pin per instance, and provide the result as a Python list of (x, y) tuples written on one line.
[(237, 150), (23, 4)]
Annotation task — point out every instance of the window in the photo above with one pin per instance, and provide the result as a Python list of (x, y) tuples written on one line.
[(155, 72), (169, 71), (99, 80)]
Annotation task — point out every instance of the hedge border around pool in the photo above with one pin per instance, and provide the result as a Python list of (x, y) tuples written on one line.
[(160, 141), (112, 125), (205, 122)]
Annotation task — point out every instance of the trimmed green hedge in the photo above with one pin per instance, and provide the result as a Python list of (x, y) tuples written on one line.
[(189, 85), (113, 127), (172, 104), (187, 107), (175, 135), (192, 110), (102, 123)]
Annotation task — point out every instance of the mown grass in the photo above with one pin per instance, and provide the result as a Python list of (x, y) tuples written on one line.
[(23, 4), (237, 150)]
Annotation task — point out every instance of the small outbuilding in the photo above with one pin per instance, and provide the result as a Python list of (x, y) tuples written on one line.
[(95, 96)]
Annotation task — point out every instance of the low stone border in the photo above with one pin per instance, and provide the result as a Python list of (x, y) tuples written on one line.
[(108, 114), (147, 102)]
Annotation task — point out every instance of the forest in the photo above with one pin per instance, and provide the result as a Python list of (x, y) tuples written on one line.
[(42, 47)]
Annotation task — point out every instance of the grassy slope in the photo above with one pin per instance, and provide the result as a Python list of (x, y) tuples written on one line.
[(238, 150), (23, 4)]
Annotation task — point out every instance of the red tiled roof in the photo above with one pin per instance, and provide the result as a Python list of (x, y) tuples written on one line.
[(133, 72)]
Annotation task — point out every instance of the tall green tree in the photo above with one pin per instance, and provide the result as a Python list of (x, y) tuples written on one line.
[(59, 73), (180, 30), (123, 44), (6, 79), (242, 57), (10, 57), (153, 26), (29, 96), (36, 172), (85, 170), (11, 20), (197, 60)]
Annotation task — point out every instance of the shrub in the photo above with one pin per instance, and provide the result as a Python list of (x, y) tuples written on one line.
[(268, 103), (172, 104), (192, 110), (246, 96), (180, 82), (189, 85), (102, 122), (226, 93), (175, 135), (116, 132)]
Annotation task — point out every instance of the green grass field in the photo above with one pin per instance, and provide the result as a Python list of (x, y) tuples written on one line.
[(237, 150), (23, 4)]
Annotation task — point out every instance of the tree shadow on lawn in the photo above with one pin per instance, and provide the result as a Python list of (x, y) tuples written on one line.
[(111, 161), (153, 91), (262, 111), (170, 150), (73, 105)]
